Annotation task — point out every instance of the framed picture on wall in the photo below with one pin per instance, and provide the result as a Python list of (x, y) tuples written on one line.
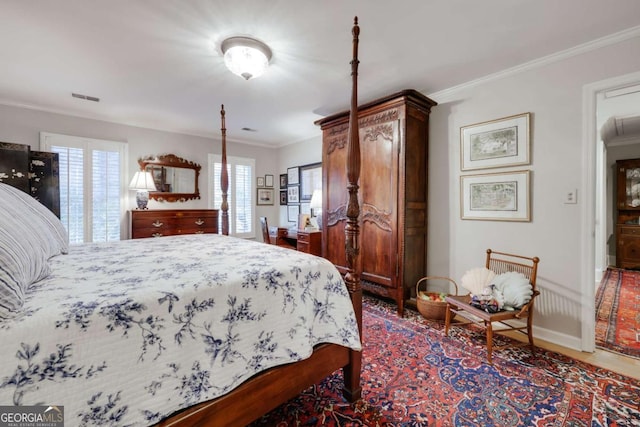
[(292, 213), (260, 181), (283, 197), (283, 180), (293, 194), (268, 180), (265, 196), (293, 176), (496, 196), (497, 143), (310, 179)]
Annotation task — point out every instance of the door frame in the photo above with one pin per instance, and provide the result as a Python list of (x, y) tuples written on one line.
[(589, 227)]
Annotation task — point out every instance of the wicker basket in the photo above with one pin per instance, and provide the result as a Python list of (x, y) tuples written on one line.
[(434, 310)]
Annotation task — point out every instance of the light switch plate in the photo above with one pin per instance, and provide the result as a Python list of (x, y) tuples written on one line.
[(571, 196)]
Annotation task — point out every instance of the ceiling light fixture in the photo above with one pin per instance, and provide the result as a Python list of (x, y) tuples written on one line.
[(246, 57)]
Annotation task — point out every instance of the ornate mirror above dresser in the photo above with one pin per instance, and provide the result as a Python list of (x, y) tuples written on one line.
[(176, 179)]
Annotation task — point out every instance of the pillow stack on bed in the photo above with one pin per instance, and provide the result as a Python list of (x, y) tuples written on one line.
[(30, 234)]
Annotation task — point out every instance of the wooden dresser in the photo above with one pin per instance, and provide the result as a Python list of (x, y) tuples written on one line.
[(160, 222), (628, 207), (394, 137)]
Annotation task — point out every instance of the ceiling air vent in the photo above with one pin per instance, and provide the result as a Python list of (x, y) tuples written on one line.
[(85, 97)]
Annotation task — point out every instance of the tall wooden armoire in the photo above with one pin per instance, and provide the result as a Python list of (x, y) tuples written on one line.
[(394, 139)]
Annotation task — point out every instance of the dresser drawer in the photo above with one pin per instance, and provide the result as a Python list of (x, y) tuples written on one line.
[(158, 223), (303, 237), (629, 231)]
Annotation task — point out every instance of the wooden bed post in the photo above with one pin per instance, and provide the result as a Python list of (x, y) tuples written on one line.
[(352, 390), (224, 178)]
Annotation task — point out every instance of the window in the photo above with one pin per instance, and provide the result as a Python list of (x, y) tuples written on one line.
[(92, 187), (240, 193)]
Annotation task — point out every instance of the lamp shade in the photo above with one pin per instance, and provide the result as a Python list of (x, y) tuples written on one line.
[(316, 200), (142, 180), (246, 57)]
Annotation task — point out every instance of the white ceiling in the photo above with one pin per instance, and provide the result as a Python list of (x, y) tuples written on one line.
[(157, 63)]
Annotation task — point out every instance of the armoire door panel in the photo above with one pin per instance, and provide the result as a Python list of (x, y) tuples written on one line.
[(380, 204), (378, 259), (335, 197)]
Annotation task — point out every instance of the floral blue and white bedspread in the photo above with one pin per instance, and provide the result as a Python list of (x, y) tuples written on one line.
[(126, 333)]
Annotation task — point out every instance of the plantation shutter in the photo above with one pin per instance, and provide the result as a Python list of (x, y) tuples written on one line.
[(240, 194), (91, 186)]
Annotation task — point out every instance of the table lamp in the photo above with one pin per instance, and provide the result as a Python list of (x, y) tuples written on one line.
[(142, 181), (316, 208)]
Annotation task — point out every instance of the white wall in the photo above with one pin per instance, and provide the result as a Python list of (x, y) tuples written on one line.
[(23, 126), (298, 154), (553, 93)]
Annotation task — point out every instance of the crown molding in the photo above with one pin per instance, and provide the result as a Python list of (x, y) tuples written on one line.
[(630, 33)]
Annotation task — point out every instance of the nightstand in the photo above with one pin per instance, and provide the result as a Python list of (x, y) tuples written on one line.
[(310, 242)]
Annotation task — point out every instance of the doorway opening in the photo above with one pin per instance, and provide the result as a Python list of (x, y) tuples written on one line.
[(608, 104)]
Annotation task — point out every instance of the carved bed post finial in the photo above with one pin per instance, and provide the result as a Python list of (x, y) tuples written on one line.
[(352, 389), (224, 178)]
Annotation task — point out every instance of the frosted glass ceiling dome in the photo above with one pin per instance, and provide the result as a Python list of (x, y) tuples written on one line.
[(246, 57)]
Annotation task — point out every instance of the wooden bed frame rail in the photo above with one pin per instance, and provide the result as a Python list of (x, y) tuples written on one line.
[(269, 389)]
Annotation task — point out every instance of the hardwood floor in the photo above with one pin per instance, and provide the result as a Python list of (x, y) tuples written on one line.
[(605, 359)]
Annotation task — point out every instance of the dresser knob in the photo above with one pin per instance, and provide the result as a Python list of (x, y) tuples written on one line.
[(199, 221), (199, 232), (157, 223), (157, 234)]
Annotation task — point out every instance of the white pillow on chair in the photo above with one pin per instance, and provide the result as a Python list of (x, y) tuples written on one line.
[(515, 287)]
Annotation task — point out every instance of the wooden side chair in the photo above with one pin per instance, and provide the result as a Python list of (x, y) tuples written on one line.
[(265, 229), (499, 262)]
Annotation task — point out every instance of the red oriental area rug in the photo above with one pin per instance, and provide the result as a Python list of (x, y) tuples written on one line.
[(412, 375), (618, 312)]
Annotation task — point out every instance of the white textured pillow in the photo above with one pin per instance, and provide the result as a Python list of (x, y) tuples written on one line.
[(515, 287), (42, 221), (14, 265), (28, 238)]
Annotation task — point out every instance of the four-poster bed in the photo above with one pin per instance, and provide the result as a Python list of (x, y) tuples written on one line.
[(269, 389), (148, 331)]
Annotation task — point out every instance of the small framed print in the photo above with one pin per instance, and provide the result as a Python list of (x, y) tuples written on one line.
[(283, 180), (293, 194), (305, 208), (293, 176), (497, 143), (283, 197), (268, 180), (496, 196), (292, 213), (260, 182), (265, 196)]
